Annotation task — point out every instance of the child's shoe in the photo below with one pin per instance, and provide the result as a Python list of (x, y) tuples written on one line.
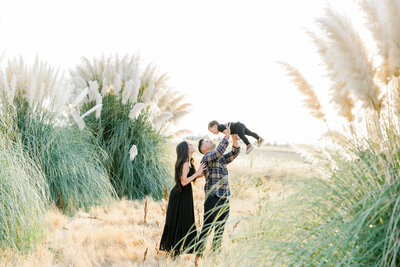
[(260, 141), (249, 148)]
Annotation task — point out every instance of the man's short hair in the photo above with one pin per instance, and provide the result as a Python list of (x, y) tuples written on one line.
[(212, 123), (200, 144)]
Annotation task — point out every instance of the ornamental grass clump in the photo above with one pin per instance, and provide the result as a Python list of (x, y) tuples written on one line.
[(356, 214), (135, 111), (36, 99), (23, 193)]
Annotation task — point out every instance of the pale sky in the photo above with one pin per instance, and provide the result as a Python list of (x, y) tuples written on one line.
[(221, 54)]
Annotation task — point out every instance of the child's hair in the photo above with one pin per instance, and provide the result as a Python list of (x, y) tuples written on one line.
[(212, 123)]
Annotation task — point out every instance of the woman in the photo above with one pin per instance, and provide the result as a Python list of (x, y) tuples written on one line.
[(180, 231)]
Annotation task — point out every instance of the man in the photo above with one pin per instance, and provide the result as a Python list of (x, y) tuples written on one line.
[(216, 205)]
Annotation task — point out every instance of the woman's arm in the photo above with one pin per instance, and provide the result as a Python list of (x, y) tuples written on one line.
[(185, 170)]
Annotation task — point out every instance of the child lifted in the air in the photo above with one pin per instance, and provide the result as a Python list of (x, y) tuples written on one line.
[(236, 128)]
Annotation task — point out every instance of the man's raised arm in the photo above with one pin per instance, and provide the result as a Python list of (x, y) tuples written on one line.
[(212, 156), (229, 157)]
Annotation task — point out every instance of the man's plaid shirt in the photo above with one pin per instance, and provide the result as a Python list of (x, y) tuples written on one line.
[(216, 171)]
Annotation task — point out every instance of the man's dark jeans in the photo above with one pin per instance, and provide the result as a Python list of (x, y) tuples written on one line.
[(216, 213)]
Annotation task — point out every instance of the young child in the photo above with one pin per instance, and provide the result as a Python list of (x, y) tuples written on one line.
[(236, 128)]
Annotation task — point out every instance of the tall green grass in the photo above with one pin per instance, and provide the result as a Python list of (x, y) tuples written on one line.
[(360, 224), (133, 108), (23, 194), (74, 166), (147, 174)]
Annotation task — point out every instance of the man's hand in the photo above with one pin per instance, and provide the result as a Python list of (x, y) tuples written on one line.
[(228, 131), (235, 139)]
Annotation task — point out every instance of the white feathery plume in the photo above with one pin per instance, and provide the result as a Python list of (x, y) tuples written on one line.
[(391, 10), (135, 91), (5, 85), (80, 82), (133, 152), (80, 98), (13, 88), (122, 74), (62, 95), (165, 99), (99, 101), (32, 91), (159, 86), (347, 60), (104, 85), (146, 97), (41, 91), (161, 119), (75, 115), (95, 108), (149, 74), (135, 111), (377, 17), (93, 90), (117, 84), (127, 91), (177, 115), (376, 23), (311, 100)]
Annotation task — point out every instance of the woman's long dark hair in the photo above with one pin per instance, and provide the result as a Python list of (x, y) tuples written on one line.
[(182, 156)]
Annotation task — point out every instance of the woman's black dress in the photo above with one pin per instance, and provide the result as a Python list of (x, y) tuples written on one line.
[(180, 231)]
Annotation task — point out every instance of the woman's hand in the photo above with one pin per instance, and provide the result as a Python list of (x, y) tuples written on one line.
[(200, 169)]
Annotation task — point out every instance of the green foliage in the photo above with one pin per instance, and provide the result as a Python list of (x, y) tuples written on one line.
[(147, 174), (23, 194), (70, 159)]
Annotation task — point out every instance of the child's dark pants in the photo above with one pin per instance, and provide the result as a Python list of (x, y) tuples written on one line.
[(242, 131)]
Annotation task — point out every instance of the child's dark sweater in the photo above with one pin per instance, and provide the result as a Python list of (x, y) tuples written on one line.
[(234, 127)]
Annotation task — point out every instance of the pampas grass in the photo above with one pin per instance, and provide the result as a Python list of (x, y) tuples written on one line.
[(354, 213), (161, 119), (133, 152), (311, 100), (135, 111), (40, 85), (72, 162), (124, 79), (131, 124), (350, 64)]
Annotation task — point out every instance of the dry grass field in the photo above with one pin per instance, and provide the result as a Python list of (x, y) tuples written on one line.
[(127, 233)]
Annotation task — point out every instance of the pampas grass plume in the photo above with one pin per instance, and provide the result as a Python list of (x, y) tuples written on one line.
[(311, 100), (161, 119), (135, 111), (133, 152)]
